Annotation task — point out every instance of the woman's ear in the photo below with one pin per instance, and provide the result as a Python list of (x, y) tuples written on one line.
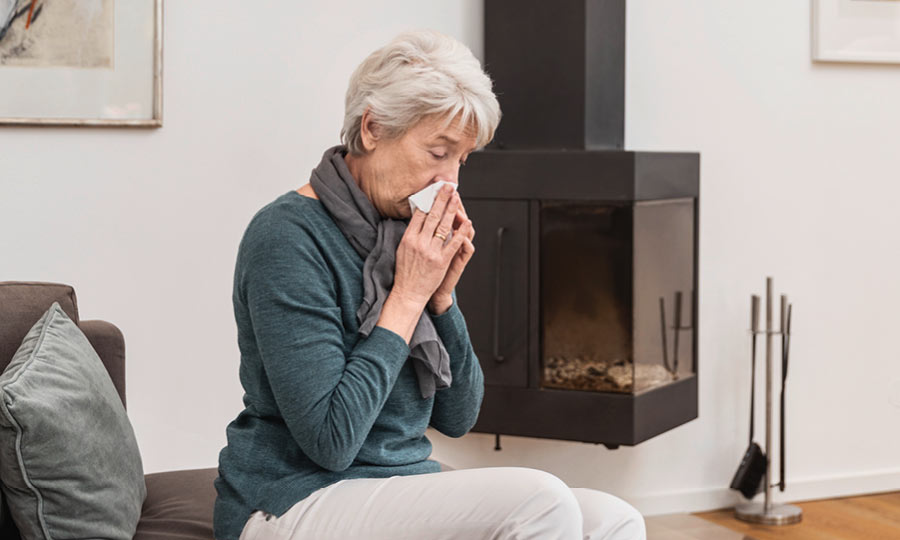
[(369, 131)]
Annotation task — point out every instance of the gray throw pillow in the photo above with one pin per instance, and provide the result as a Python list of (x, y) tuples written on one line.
[(69, 462)]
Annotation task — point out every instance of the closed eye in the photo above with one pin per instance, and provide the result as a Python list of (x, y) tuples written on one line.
[(438, 156)]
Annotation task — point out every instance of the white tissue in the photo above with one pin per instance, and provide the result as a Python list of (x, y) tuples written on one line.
[(425, 198)]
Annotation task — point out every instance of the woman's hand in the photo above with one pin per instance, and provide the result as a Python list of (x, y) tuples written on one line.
[(423, 257), (441, 300)]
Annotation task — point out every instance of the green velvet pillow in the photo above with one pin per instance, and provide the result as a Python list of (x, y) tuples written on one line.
[(69, 462)]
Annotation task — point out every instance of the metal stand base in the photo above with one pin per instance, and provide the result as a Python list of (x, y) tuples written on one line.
[(778, 514)]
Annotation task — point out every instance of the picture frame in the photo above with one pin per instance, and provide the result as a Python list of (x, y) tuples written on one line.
[(105, 69), (855, 31)]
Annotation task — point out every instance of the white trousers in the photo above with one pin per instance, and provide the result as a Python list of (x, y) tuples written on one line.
[(495, 503)]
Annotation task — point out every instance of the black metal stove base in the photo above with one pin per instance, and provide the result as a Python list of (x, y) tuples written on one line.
[(598, 417)]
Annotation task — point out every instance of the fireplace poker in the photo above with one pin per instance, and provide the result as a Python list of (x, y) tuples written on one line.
[(785, 353), (754, 330)]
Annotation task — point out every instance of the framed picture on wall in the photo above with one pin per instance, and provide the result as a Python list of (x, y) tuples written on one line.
[(81, 62), (856, 31)]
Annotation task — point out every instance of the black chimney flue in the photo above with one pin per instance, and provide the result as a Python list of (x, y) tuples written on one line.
[(559, 72)]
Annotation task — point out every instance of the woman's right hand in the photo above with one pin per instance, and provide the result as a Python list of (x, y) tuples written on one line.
[(422, 257), (422, 263)]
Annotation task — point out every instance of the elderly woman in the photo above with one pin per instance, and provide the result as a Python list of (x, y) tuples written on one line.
[(352, 344)]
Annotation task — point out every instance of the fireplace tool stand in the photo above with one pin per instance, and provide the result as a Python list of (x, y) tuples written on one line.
[(767, 512)]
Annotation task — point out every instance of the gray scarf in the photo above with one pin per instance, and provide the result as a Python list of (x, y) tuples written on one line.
[(375, 239)]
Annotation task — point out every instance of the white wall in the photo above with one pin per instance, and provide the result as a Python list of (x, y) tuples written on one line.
[(798, 181)]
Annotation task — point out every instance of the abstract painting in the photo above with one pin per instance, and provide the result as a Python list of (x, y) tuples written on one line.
[(47, 33), (81, 62)]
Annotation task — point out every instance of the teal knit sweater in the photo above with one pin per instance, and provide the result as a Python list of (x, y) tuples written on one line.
[(321, 403)]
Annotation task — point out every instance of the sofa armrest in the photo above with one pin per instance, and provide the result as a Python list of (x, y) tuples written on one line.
[(109, 343)]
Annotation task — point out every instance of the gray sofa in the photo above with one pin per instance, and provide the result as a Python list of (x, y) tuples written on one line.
[(179, 503)]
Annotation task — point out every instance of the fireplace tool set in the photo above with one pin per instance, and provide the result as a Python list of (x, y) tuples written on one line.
[(754, 471)]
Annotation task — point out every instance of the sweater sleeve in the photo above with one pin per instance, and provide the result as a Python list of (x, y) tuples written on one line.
[(328, 399), (456, 408)]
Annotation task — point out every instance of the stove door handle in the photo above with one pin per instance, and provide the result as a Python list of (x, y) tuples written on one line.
[(497, 356)]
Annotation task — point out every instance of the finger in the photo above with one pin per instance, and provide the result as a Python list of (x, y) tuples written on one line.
[(437, 210), (460, 218), (468, 249), (415, 223), (463, 215), (454, 244), (445, 227), (470, 227), (466, 228), (462, 256)]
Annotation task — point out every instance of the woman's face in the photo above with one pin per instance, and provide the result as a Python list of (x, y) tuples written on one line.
[(397, 168)]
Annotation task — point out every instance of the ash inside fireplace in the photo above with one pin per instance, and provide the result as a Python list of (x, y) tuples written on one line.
[(584, 373)]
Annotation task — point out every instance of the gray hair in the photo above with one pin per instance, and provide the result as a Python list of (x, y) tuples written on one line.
[(419, 74)]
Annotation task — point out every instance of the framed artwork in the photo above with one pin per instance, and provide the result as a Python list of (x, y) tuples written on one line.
[(81, 62), (856, 31)]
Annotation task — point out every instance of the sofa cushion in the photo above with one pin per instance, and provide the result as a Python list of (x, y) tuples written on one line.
[(69, 462), (179, 506)]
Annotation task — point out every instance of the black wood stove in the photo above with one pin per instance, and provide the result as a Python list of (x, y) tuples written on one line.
[(581, 297)]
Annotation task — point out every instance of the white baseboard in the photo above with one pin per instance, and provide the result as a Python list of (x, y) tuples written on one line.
[(808, 489)]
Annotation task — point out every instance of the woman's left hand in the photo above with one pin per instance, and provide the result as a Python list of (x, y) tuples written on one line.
[(441, 300)]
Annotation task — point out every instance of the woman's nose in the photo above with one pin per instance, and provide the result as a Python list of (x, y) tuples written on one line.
[(451, 175)]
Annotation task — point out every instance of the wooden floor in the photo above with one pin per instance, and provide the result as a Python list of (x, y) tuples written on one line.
[(870, 517)]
